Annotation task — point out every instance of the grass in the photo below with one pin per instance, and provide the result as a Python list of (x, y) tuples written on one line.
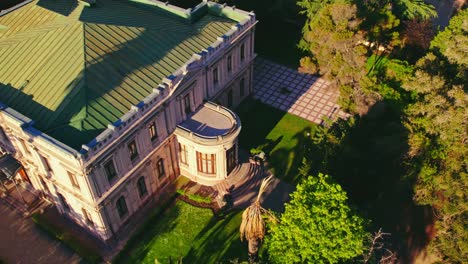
[(279, 134), (89, 254), (188, 233)]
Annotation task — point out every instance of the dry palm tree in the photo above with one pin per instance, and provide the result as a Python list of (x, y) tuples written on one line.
[(253, 225)]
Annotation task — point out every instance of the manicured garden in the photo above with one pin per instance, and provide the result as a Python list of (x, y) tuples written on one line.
[(187, 233), (280, 135)]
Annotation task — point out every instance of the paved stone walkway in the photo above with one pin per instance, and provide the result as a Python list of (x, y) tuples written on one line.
[(303, 95), (22, 242)]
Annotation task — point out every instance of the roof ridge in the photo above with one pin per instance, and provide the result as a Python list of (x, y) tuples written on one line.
[(33, 32)]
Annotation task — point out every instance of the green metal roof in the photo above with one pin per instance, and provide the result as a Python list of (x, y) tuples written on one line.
[(74, 69)]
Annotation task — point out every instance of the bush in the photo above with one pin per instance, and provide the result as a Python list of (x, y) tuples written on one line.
[(91, 255), (195, 197)]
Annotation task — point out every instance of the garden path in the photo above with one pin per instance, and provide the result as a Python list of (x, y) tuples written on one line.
[(303, 95)]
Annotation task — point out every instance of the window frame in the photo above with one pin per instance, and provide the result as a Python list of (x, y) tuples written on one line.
[(242, 52), (160, 168), (73, 180), (121, 206), (87, 217), (183, 154), (187, 104), (110, 177), (63, 202), (133, 151), (153, 131), (229, 63), (206, 163), (141, 187), (215, 76)]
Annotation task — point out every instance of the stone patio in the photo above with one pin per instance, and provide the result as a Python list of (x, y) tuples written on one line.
[(303, 95)]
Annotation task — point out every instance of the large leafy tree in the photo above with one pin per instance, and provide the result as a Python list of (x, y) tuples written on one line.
[(438, 122), (318, 226)]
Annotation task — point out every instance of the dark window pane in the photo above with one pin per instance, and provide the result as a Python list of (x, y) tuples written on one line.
[(142, 187), (132, 148), (160, 168), (63, 202), (110, 170), (242, 52), (215, 76), (121, 206), (187, 107), (153, 131)]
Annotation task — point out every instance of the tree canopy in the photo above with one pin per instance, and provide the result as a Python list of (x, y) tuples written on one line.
[(318, 226), (438, 122)]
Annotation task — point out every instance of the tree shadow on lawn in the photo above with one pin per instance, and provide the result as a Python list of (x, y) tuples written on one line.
[(219, 241), (370, 164), (258, 119), (280, 135)]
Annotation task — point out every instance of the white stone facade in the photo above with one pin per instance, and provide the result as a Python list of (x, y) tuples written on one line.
[(130, 164)]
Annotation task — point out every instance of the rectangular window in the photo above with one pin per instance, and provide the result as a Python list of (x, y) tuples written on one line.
[(206, 163), (183, 154), (87, 217), (73, 180), (242, 52), (229, 63), (153, 132), (46, 163), (187, 107), (141, 185), (215, 76), (110, 170), (121, 206), (160, 168), (64, 203), (242, 87), (229, 98), (132, 149), (23, 144)]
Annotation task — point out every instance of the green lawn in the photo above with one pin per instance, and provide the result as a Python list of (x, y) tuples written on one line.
[(186, 232), (279, 134)]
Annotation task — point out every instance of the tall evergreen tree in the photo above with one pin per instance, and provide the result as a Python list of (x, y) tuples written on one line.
[(438, 122)]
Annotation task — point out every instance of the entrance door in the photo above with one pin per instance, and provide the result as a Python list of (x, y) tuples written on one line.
[(231, 159)]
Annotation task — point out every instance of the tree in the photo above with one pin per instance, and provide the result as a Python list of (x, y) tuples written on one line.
[(332, 40), (438, 122), (318, 226), (252, 227)]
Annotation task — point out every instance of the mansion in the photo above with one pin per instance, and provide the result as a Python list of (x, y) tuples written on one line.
[(103, 104)]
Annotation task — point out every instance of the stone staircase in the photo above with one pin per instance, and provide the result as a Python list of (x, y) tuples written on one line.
[(242, 184)]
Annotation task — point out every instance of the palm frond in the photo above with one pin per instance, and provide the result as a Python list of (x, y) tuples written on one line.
[(263, 186)]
